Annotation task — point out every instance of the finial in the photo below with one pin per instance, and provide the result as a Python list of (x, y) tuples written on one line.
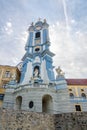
[(45, 21), (32, 24), (39, 19)]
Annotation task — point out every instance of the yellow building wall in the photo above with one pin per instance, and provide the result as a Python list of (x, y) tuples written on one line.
[(2, 91), (5, 80), (77, 89), (12, 70)]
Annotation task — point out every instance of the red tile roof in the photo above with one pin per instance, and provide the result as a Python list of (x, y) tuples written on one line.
[(76, 81)]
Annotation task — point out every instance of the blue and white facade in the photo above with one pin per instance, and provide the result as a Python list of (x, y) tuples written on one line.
[(38, 89), (37, 62)]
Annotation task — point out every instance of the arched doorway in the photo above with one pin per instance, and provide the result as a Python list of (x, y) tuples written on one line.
[(18, 102), (47, 104)]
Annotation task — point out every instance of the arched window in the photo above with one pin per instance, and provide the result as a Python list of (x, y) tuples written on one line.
[(37, 35), (83, 95), (71, 95), (1, 96)]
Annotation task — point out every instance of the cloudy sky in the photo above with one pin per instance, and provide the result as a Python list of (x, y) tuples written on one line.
[(68, 32)]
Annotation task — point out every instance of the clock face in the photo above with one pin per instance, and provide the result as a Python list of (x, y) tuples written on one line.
[(38, 28)]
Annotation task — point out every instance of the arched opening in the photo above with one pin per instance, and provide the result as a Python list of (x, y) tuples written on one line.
[(83, 95), (47, 104), (18, 102), (37, 35), (71, 95), (37, 48)]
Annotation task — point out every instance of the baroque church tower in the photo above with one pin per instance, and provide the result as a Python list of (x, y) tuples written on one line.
[(38, 89), (37, 62)]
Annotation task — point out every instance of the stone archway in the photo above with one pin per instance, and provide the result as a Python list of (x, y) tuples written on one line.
[(18, 102), (47, 104)]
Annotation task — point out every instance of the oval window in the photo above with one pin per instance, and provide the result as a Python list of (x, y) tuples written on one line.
[(31, 104), (71, 95), (83, 95)]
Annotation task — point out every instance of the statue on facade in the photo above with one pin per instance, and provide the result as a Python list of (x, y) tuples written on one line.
[(59, 71), (14, 77), (13, 80), (36, 72)]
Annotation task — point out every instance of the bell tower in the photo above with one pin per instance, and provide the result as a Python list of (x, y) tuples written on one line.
[(37, 61)]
